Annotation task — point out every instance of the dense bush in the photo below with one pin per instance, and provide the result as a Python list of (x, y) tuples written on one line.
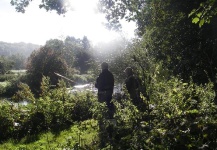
[(178, 115), (12, 85), (55, 110), (6, 77)]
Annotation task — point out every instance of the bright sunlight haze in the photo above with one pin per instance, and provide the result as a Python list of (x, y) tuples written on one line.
[(37, 26)]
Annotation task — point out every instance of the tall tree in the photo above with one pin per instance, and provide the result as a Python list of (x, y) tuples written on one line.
[(170, 37), (45, 62), (82, 54)]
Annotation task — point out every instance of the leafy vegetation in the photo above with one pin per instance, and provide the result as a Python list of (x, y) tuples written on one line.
[(5, 65), (178, 115), (204, 13), (174, 60)]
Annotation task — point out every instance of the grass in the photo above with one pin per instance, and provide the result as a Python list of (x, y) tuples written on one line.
[(83, 134)]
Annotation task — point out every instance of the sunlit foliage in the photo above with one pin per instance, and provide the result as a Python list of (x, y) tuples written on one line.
[(177, 114), (204, 13)]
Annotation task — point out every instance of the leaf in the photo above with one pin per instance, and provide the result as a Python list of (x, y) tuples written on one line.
[(201, 22), (192, 12), (195, 20), (184, 84), (205, 135), (168, 115), (199, 14)]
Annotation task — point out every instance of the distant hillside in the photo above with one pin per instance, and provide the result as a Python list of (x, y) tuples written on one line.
[(8, 49)]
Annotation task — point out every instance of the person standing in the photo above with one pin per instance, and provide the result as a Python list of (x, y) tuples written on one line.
[(132, 86), (105, 85)]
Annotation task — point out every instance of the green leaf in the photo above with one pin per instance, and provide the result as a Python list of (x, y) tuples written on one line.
[(201, 22), (199, 14), (205, 135), (168, 115), (184, 84), (195, 20), (192, 12)]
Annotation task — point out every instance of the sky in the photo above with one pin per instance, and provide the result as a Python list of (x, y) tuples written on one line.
[(37, 25)]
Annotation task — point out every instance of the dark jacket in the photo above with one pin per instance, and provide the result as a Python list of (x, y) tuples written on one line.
[(105, 81), (132, 86)]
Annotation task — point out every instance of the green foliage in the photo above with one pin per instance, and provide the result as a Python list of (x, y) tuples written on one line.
[(179, 114), (11, 80), (67, 58), (55, 109), (19, 61), (23, 94), (81, 49), (79, 135), (175, 62), (45, 61), (2, 87), (169, 36), (7, 77), (166, 39), (5, 65), (204, 12), (7, 120), (179, 109), (116, 10)]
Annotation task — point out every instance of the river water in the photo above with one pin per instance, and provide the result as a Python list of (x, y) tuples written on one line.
[(76, 88)]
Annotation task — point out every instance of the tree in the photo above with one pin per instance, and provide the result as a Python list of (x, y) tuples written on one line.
[(169, 36), (5, 65), (130, 10), (45, 62), (19, 61), (86, 43), (81, 50), (58, 5)]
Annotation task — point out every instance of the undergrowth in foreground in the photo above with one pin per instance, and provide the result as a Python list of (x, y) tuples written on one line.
[(178, 115), (81, 135)]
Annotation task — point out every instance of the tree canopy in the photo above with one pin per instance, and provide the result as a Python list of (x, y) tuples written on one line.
[(58, 5), (45, 62), (5, 65), (124, 9)]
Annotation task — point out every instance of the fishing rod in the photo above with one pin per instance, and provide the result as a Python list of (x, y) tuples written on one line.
[(63, 77)]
